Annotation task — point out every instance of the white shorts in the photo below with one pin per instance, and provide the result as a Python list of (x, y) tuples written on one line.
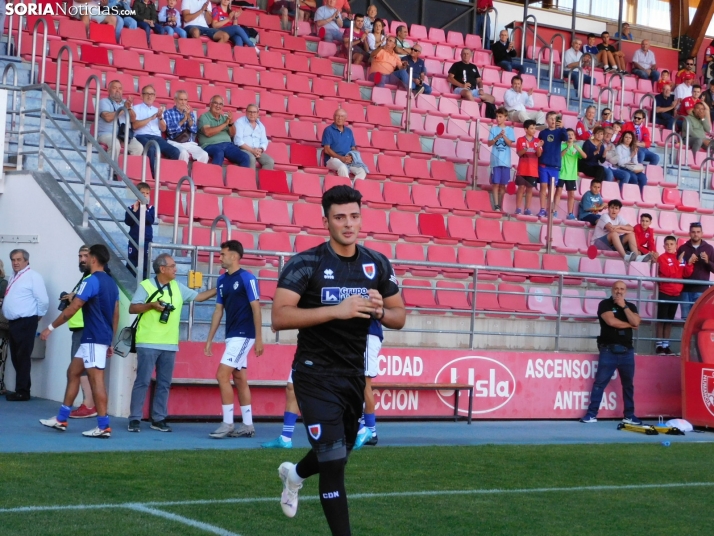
[(236, 354), (474, 91), (93, 355), (371, 361), (290, 378)]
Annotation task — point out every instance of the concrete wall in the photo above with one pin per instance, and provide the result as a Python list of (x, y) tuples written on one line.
[(508, 12), (26, 210)]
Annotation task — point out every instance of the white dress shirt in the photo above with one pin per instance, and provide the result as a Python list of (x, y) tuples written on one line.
[(26, 296), (142, 111), (682, 91), (645, 59), (194, 6), (517, 102), (247, 135), (571, 56)]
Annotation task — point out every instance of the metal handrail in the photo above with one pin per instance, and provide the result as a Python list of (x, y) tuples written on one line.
[(192, 199), (19, 34), (115, 130), (157, 164), (349, 51), (97, 97), (702, 169), (622, 91), (610, 99), (581, 75), (477, 150), (410, 98), (525, 35), (686, 144), (487, 26), (70, 73), (538, 63), (654, 108), (212, 236), (296, 21), (34, 51), (677, 138), (551, 65)]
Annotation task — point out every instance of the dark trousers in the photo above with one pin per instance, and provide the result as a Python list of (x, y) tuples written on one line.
[(607, 365), (665, 119), (22, 341), (167, 150), (158, 28), (134, 259), (219, 151)]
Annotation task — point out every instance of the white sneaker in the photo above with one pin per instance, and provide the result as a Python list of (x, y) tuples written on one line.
[(98, 432), (222, 431), (54, 423), (289, 498)]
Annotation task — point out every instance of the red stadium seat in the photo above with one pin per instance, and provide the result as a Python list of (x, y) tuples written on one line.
[(276, 184), (242, 180), (453, 199), (205, 208), (305, 242), (303, 156), (421, 297), (307, 186), (414, 252), (209, 177), (462, 228), (371, 194), (267, 283), (308, 216), (425, 196), (454, 296), (274, 213), (512, 302), (217, 51), (405, 225), (499, 258), (399, 194), (374, 224), (242, 213), (517, 232)]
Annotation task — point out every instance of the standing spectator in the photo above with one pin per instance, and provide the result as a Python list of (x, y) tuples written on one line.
[(503, 52), (571, 62), (403, 47), (684, 89), (359, 41), (642, 138), (529, 149), (215, 135), (376, 39), (645, 238), (147, 18), (626, 34), (98, 297), (340, 150), (4, 328), (465, 79), (252, 139), (594, 150), (197, 20), (157, 340), (24, 304), (617, 318), (148, 124), (570, 153), (701, 254), (708, 68), (329, 19), (550, 159), (644, 63), (666, 104), (128, 22), (149, 218), (484, 20), (387, 67), (612, 232), (628, 162), (517, 100), (182, 127), (500, 138), (664, 80), (700, 127), (371, 18), (418, 67), (586, 126), (606, 118), (89, 11), (591, 205), (226, 20), (708, 99), (610, 55), (170, 17), (688, 70), (671, 267), (108, 107)]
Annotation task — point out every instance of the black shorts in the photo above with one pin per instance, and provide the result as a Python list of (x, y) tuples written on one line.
[(331, 407), (570, 186), (667, 308), (530, 182)]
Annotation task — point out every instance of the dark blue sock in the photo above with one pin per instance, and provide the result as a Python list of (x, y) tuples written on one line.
[(103, 422), (289, 420), (63, 413)]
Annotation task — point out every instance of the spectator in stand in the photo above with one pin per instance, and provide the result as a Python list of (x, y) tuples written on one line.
[(129, 22), (329, 18), (149, 218), (585, 127), (550, 159), (340, 149), (626, 34), (285, 9), (500, 138), (645, 239), (700, 127), (226, 20), (371, 18), (629, 162), (666, 104), (344, 7), (642, 138), (684, 89), (197, 20), (591, 48), (359, 42), (701, 254), (571, 61), (149, 123), (387, 67), (147, 18), (182, 128), (594, 149), (644, 63), (610, 163), (89, 10), (570, 153), (591, 205), (215, 135), (418, 67), (708, 99), (686, 108), (671, 267), (687, 71), (170, 18), (465, 79), (376, 39), (483, 19), (403, 47), (606, 118), (617, 127), (611, 58), (708, 68), (529, 148), (612, 232), (516, 101), (107, 113), (503, 52), (664, 80), (252, 139)]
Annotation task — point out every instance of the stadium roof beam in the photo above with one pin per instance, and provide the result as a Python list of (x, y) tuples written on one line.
[(700, 23)]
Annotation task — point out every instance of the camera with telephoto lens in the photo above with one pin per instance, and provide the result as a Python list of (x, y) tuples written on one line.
[(64, 302), (168, 307)]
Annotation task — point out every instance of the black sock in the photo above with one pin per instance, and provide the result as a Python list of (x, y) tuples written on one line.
[(333, 496), (308, 466)]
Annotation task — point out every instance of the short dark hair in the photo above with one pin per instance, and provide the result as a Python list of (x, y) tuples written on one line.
[(501, 111), (598, 129), (233, 245), (359, 16), (646, 215), (595, 181), (592, 35), (101, 253), (340, 195), (695, 224), (603, 34), (143, 185), (517, 77), (528, 124), (615, 203), (695, 86), (569, 130), (670, 237)]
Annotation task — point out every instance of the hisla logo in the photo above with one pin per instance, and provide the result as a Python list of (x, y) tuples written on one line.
[(329, 274)]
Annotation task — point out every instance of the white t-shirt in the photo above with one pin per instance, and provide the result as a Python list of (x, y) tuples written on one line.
[(194, 6), (372, 41), (645, 59), (571, 56), (600, 230), (682, 91), (142, 111)]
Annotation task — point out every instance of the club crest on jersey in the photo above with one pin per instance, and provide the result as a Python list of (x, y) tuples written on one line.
[(235, 285), (315, 431), (369, 270)]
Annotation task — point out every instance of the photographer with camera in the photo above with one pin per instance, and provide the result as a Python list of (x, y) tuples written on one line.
[(159, 301)]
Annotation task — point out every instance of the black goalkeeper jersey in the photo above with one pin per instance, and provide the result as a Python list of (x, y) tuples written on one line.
[(323, 278)]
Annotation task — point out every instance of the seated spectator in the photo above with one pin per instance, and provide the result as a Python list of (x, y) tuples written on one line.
[(665, 106), (147, 18), (149, 123), (403, 47), (700, 127), (687, 106), (628, 161), (418, 67), (664, 80), (329, 19), (359, 40), (170, 18), (684, 90), (626, 34), (465, 79), (376, 39), (215, 135), (609, 56), (387, 67), (285, 9), (197, 18), (591, 48), (226, 20), (610, 163), (344, 7), (613, 233), (571, 62), (687, 70), (617, 127), (528, 148), (642, 138), (594, 149), (516, 101), (127, 21), (606, 118), (88, 10), (644, 63), (570, 154), (586, 126), (591, 205), (708, 99), (105, 125), (182, 127), (252, 139), (339, 149), (371, 18), (645, 239), (503, 52)]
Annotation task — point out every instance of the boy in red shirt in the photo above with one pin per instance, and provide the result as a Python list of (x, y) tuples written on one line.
[(528, 148), (688, 103), (645, 238), (670, 267)]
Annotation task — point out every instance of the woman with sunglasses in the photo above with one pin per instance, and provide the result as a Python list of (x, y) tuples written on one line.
[(627, 163), (606, 118)]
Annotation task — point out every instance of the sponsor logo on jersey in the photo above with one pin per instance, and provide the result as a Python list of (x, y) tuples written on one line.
[(708, 389), (334, 295), (369, 270), (220, 289), (393, 278), (235, 285), (315, 431), (329, 274)]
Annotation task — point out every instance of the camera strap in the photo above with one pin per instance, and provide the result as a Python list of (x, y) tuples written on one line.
[(161, 289), (135, 323), (79, 283)]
